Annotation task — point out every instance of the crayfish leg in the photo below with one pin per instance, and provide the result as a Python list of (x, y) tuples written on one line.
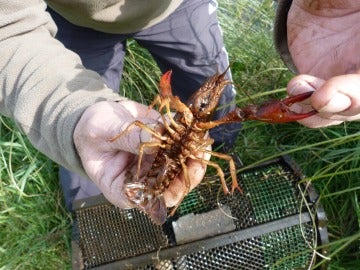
[(234, 182), (170, 116), (142, 146), (220, 173), (141, 125)]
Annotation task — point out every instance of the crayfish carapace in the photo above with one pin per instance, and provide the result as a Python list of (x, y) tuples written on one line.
[(186, 134)]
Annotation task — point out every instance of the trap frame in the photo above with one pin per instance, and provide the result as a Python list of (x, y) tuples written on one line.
[(276, 223)]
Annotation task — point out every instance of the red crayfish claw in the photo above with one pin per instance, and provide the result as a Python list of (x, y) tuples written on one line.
[(278, 111), (164, 85)]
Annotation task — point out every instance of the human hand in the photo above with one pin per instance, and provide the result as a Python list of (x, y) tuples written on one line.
[(324, 42), (107, 163)]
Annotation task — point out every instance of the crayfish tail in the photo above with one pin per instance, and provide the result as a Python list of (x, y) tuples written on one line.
[(156, 209), (135, 192), (144, 200)]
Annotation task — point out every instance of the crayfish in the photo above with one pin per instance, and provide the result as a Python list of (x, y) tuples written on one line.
[(185, 134)]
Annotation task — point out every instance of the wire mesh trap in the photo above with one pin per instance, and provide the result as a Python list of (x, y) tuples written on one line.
[(274, 224)]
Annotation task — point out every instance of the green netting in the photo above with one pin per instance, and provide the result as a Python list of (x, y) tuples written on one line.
[(288, 248), (272, 192), (194, 203), (269, 193)]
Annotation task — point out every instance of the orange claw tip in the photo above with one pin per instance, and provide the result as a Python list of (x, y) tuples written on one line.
[(167, 74), (164, 85)]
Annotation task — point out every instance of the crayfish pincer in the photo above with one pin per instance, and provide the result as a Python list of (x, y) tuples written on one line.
[(186, 134)]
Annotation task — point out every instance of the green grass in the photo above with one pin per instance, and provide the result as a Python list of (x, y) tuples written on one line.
[(35, 228)]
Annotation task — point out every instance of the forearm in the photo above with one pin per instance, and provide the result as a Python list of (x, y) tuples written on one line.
[(45, 89)]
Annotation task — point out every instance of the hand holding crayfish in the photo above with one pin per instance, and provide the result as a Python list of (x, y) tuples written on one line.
[(108, 163)]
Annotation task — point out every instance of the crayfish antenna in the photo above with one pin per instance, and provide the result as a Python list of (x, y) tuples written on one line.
[(222, 75)]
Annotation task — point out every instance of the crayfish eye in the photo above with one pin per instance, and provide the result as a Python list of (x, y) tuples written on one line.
[(202, 106)]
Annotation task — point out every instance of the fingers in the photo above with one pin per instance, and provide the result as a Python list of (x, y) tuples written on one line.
[(110, 125), (336, 100), (109, 171), (303, 83), (138, 110), (143, 132)]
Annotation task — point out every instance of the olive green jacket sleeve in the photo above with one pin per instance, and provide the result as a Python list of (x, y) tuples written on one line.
[(44, 86), (280, 33)]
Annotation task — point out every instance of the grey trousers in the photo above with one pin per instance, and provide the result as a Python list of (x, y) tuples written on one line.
[(189, 42)]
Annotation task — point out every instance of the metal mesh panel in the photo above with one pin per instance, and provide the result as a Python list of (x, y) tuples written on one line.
[(277, 250), (272, 191), (285, 249), (288, 248), (233, 256), (106, 234), (209, 195), (272, 231)]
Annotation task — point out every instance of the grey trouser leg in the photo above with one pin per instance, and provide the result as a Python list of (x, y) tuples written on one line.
[(189, 42)]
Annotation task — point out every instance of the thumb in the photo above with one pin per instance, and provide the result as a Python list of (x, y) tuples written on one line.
[(303, 83), (328, 95), (340, 94)]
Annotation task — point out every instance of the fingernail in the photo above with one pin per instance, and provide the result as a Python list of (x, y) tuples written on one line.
[(300, 87), (338, 103)]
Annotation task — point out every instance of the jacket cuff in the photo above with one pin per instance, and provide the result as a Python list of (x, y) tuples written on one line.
[(280, 33)]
